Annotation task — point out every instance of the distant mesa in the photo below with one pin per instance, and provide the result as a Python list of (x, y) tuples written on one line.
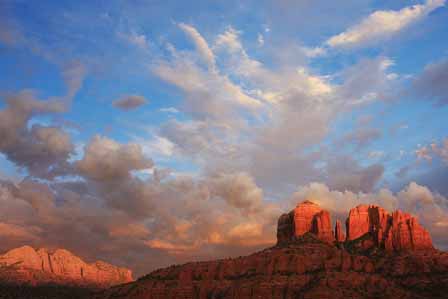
[(370, 225), (25, 265), (379, 255)]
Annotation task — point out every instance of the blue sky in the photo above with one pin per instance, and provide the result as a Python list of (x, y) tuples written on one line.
[(274, 94)]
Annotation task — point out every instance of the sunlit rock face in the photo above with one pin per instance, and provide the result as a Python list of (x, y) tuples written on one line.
[(394, 232), (307, 217), (383, 256), (26, 265)]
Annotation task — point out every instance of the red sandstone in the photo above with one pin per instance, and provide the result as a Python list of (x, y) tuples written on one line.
[(26, 265), (398, 261)]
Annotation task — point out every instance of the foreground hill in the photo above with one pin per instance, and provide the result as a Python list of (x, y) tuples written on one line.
[(27, 266), (381, 255)]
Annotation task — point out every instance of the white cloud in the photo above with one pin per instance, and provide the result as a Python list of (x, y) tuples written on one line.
[(169, 110), (382, 24), (314, 52), (260, 40), (135, 39), (201, 44)]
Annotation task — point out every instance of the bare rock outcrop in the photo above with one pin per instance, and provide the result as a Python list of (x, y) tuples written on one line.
[(307, 263), (339, 234), (307, 217), (28, 266), (394, 232)]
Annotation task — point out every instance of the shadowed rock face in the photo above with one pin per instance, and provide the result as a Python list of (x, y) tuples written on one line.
[(339, 235), (308, 264), (25, 265)]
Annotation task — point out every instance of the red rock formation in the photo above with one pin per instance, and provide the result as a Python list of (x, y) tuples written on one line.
[(307, 217), (339, 235), (396, 232), (322, 227), (29, 266), (304, 214), (408, 234), (307, 268), (285, 227)]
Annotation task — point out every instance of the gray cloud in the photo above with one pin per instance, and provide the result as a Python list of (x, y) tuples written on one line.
[(105, 159), (129, 102), (431, 84), (361, 137), (42, 150), (344, 173)]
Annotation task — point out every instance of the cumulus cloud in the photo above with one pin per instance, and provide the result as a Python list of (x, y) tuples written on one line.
[(157, 221), (248, 126), (368, 80), (129, 102), (250, 118), (383, 24), (431, 83), (42, 150), (345, 173), (105, 159)]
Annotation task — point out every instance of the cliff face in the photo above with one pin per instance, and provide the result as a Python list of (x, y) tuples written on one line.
[(371, 225), (394, 232), (28, 266), (307, 217), (309, 263)]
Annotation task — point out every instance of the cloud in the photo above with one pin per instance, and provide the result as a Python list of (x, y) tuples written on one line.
[(169, 110), (423, 153), (253, 130), (431, 83), (368, 80), (139, 40), (105, 159), (129, 102), (245, 116), (361, 137), (433, 150), (201, 45), (382, 24), (42, 150), (73, 74), (345, 173), (157, 221), (16, 232)]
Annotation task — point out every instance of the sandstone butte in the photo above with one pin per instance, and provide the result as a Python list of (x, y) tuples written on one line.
[(25, 265), (381, 255)]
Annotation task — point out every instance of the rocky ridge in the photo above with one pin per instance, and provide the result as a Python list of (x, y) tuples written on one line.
[(25, 265), (382, 256)]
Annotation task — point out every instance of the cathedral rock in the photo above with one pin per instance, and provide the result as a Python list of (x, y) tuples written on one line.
[(372, 225), (381, 255)]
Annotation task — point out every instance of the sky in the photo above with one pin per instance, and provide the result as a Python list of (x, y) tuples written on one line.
[(148, 133)]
